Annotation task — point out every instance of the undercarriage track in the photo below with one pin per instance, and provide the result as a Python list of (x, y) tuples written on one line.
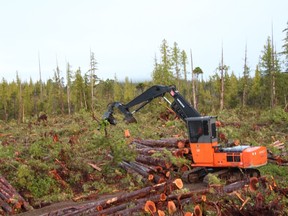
[(229, 175)]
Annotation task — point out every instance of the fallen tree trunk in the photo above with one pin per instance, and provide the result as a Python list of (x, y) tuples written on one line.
[(153, 161), (10, 199), (276, 159), (167, 143), (151, 151), (122, 198), (142, 170)]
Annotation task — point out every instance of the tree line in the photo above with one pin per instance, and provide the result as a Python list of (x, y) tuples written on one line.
[(265, 88)]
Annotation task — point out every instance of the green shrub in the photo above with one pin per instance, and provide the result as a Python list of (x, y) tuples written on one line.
[(276, 115), (40, 148), (37, 184), (274, 170)]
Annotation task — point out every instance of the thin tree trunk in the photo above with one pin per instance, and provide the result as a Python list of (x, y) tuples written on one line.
[(68, 76), (222, 83), (85, 100), (92, 80), (61, 98), (273, 90), (244, 96), (193, 83), (273, 96), (41, 88), (23, 111), (68, 99), (6, 114), (20, 108)]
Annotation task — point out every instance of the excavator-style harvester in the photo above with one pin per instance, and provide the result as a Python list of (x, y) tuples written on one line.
[(207, 153)]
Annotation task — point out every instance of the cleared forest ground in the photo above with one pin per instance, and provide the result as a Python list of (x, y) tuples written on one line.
[(67, 158)]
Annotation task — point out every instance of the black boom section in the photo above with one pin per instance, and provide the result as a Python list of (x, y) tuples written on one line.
[(148, 95), (182, 108)]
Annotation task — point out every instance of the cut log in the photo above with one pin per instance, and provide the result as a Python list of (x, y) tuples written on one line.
[(197, 211), (178, 183), (153, 161), (131, 211), (167, 143), (95, 167), (163, 197), (171, 207), (140, 203), (235, 186), (122, 198), (149, 169), (253, 183), (9, 194), (150, 207), (129, 168), (136, 145), (181, 144), (160, 212), (151, 151), (5, 206), (178, 153), (142, 170), (111, 210), (135, 174), (150, 177)]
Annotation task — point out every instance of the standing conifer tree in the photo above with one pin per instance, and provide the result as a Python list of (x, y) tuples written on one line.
[(4, 98), (184, 61), (20, 100), (285, 48), (245, 79), (269, 68), (78, 90), (193, 81), (68, 89), (93, 68), (256, 93), (40, 81), (117, 90), (197, 71), (59, 83), (128, 90), (176, 63), (162, 71)]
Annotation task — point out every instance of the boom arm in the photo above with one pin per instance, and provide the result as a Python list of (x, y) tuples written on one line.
[(180, 106)]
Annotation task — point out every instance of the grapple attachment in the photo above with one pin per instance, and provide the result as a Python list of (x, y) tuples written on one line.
[(129, 118), (108, 115)]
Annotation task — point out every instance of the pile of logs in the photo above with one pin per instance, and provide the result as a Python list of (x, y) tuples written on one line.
[(167, 198), (158, 168), (125, 203), (278, 159), (11, 201)]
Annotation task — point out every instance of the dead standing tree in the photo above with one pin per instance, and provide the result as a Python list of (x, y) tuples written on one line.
[(222, 68)]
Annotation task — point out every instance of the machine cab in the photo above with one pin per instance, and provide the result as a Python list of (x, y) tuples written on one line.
[(202, 129)]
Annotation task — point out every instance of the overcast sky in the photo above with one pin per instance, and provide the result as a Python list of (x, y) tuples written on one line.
[(125, 35)]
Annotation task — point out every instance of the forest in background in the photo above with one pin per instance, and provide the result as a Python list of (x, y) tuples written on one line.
[(73, 91)]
